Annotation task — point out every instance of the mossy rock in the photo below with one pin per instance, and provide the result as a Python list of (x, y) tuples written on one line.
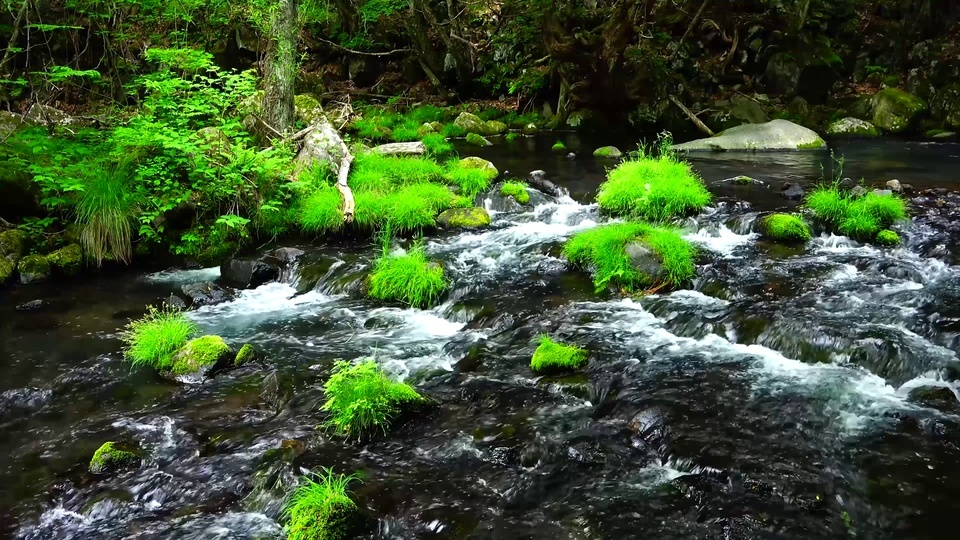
[(198, 358), (530, 129), (67, 261), (946, 105), (308, 109), (13, 243), (477, 140), (10, 122), (7, 268), (110, 457), (559, 147), (888, 238), (554, 357), (608, 152), (896, 111), (852, 127), (465, 218), (470, 123), (33, 268), (516, 190), (479, 163), (511, 137), (494, 127), (247, 353), (785, 228)]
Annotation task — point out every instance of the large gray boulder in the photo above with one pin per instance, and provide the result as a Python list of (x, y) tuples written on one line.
[(773, 135)]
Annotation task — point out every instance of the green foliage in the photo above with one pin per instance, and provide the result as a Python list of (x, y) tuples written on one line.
[(437, 145), (410, 278), (153, 340), (861, 218), (321, 509), (559, 147), (453, 130), (887, 237), (653, 188), (551, 357), (471, 180), (786, 227), (517, 190), (106, 211), (361, 399), (321, 211), (603, 250)]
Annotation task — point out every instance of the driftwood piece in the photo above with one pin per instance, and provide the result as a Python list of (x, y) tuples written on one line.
[(693, 118), (322, 144), (403, 148)]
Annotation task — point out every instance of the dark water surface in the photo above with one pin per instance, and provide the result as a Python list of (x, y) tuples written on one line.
[(768, 401)]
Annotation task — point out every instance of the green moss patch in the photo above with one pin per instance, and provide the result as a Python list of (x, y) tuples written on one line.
[(246, 354), (553, 357), (437, 145), (13, 243), (785, 228), (33, 268), (199, 353), (861, 218), (362, 400), (465, 218), (153, 340), (109, 457), (887, 237), (559, 147), (653, 188), (517, 190), (615, 255), (6, 269), (67, 260), (409, 278)]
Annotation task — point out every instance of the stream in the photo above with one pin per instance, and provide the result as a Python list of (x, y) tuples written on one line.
[(769, 400)]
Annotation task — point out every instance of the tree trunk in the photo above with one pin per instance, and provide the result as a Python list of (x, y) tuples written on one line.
[(280, 66)]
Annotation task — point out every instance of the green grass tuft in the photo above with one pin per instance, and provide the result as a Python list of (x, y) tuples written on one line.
[(828, 203), (786, 227), (603, 250), (361, 399), (425, 113), (517, 190), (860, 219), (887, 237), (322, 211), (551, 357), (654, 189), (154, 339), (410, 278), (106, 211), (407, 131), (453, 130), (321, 509), (437, 145)]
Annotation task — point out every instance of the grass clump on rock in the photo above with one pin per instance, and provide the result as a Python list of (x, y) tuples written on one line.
[(410, 278), (785, 228), (633, 256), (361, 399), (109, 458), (859, 218), (552, 357), (155, 339), (517, 190), (321, 508), (653, 188)]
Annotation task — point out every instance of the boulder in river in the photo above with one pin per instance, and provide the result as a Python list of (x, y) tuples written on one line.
[(477, 140), (198, 358), (464, 218), (33, 269), (852, 127), (896, 111), (773, 135), (31, 305), (608, 152), (66, 261), (470, 123), (479, 163), (940, 398), (206, 294), (111, 457), (247, 353), (791, 191), (538, 180), (248, 274)]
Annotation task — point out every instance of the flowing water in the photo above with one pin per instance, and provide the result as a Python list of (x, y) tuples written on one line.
[(767, 401)]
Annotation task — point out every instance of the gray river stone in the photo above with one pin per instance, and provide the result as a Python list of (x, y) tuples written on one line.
[(773, 135)]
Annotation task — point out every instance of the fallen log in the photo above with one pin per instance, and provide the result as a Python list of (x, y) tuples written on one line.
[(322, 144)]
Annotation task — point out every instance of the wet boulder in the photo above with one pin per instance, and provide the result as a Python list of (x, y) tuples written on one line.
[(470, 123), (852, 127), (478, 140), (896, 111), (248, 274), (494, 127), (464, 218), (791, 191), (66, 261), (112, 457), (773, 135), (538, 180), (479, 163), (33, 269), (247, 354), (644, 259), (530, 129), (608, 152), (276, 389), (894, 185), (941, 398), (198, 359), (946, 105), (282, 257), (206, 294)]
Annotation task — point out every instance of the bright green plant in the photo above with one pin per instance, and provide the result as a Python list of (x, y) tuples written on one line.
[(109, 456), (321, 508), (552, 357), (105, 211), (785, 227), (437, 145), (361, 399), (861, 218), (887, 237), (322, 211), (653, 188), (471, 180), (559, 147), (410, 278), (517, 190), (154, 340)]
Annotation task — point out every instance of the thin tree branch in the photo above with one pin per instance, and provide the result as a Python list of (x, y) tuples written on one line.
[(362, 53)]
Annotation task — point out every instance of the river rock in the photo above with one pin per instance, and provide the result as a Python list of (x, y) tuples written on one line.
[(10, 122), (30, 306), (940, 398), (858, 191), (883, 192), (847, 183), (416, 148), (894, 186), (791, 191), (7, 268), (13, 244), (111, 457), (477, 140), (494, 127), (247, 353), (852, 127), (66, 261), (247, 274), (47, 115), (643, 259), (276, 389), (896, 111), (530, 129), (538, 180), (470, 123), (773, 135), (33, 269), (198, 358), (946, 105), (282, 257), (464, 218), (206, 294), (479, 163), (608, 152)]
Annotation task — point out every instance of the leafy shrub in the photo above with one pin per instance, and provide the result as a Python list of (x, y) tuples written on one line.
[(785, 227), (361, 399), (410, 278), (653, 188), (517, 190), (154, 339), (551, 356), (321, 509)]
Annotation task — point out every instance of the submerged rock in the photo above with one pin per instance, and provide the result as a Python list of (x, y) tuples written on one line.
[(852, 127), (248, 274), (110, 457), (773, 135), (792, 192), (477, 140), (198, 358), (608, 151), (896, 111), (33, 269), (206, 294), (940, 398), (67, 261), (464, 218)]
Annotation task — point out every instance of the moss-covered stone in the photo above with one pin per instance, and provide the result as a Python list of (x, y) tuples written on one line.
[(608, 152), (896, 111), (852, 127), (465, 218), (887, 237), (6, 269), (530, 129), (785, 228), (199, 355), (109, 457), (67, 261), (559, 147), (247, 353), (308, 109), (494, 127), (479, 163), (512, 136), (10, 122), (470, 123), (13, 243), (33, 268), (945, 105), (477, 140)]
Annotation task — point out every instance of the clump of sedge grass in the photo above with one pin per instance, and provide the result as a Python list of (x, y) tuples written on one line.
[(551, 356), (786, 228), (105, 211), (653, 188), (154, 339), (321, 508), (453, 130), (361, 399), (862, 218), (437, 145), (604, 251), (322, 211), (517, 190), (410, 278)]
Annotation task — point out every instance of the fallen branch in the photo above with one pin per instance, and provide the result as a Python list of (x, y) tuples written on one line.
[(6, 224), (344, 189), (362, 53), (323, 144), (693, 118), (693, 22)]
